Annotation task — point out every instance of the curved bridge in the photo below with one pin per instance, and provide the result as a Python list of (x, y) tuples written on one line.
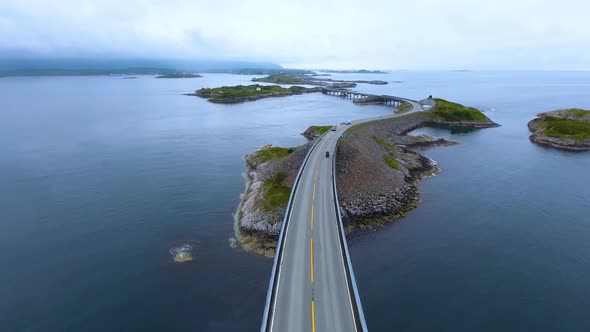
[(312, 286), (359, 97)]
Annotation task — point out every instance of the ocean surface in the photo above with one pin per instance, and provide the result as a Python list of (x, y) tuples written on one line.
[(101, 178)]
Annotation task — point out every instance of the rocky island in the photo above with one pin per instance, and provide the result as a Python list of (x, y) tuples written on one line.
[(567, 129), (242, 93), (313, 80), (179, 75), (377, 168), (447, 114)]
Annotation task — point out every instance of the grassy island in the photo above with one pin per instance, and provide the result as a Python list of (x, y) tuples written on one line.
[(179, 75), (565, 129), (241, 93), (448, 114), (454, 112)]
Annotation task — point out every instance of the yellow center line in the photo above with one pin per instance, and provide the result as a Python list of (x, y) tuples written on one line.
[(316, 171), (312, 216), (312, 316), (311, 261), (313, 195)]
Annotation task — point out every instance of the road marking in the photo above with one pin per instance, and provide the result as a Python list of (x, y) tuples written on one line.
[(316, 171), (311, 260), (312, 215), (312, 316), (313, 195)]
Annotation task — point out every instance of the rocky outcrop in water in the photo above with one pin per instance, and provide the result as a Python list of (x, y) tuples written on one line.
[(562, 129), (242, 93)]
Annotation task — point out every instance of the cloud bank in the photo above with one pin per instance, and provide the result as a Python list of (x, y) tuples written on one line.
[(374, 34)]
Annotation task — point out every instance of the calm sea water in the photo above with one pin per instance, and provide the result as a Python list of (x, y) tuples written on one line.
[(100, 177)]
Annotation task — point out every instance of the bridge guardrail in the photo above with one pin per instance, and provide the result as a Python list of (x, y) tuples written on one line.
[(270, 296), (358, 308)]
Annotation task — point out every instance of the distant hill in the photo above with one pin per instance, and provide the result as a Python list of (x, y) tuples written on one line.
[(76, 67), (359, 71)]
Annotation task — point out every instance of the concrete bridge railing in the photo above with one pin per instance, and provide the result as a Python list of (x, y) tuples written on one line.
[(358, 96)]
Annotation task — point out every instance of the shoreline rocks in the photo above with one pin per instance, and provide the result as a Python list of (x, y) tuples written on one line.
[(371, 191), (257, 229)]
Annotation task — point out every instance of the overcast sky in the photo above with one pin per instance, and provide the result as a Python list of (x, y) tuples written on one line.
[(374, 34)]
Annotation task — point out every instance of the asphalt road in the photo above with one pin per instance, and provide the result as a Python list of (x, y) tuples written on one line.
[(312, 292)]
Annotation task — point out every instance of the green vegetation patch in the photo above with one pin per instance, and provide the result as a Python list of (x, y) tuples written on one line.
[(274, 152), (276, 194), (390, 157), (384, 144), (245, 91), (577, 112), (405, 106), (321, 129), (392, 162), (453, 112), (565, 128)]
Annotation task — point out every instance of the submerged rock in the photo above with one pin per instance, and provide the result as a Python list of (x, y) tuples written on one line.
[(233, 243), (182, 253), (183, 257)]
